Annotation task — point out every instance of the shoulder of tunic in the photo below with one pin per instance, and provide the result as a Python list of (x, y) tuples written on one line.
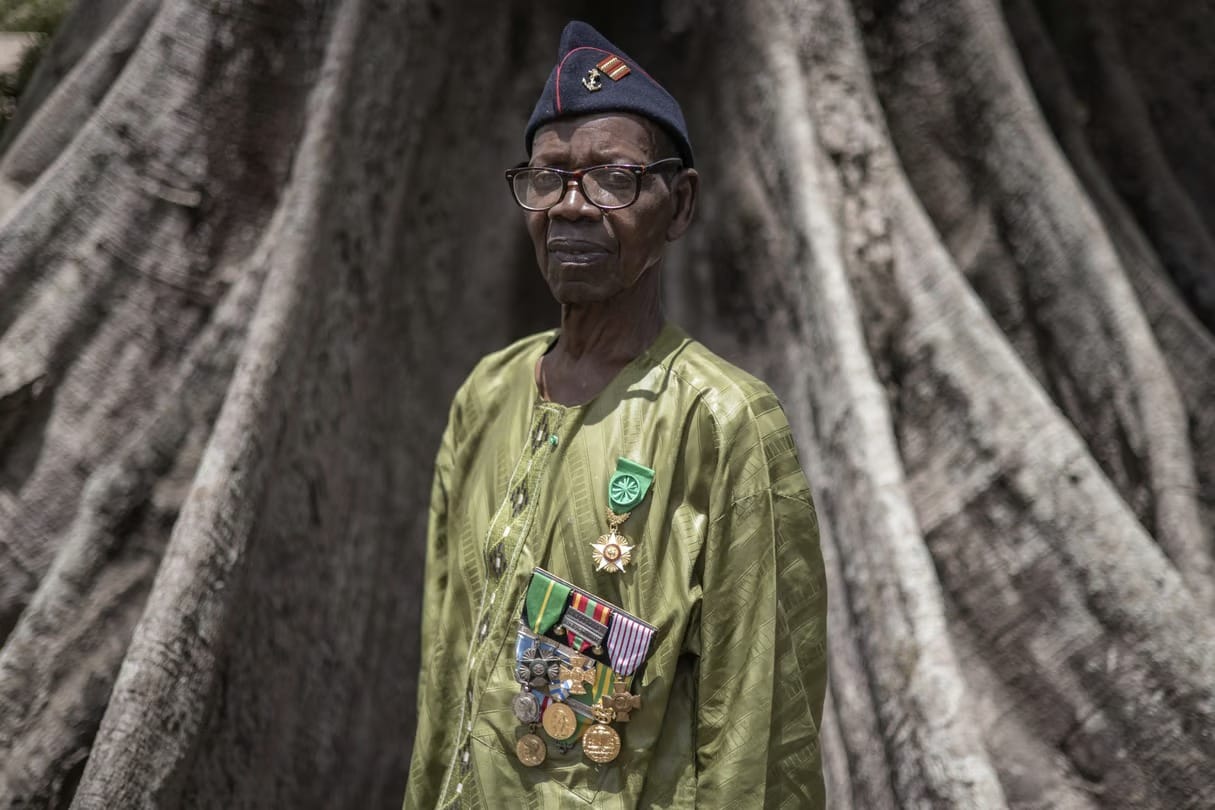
[(507, 367), (732, 397), (755, 443)]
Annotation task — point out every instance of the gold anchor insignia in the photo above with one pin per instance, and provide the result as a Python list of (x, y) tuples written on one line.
[(578, 675), (591, 80)]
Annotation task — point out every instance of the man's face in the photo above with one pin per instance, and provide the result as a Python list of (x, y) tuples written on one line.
[(587, 254)]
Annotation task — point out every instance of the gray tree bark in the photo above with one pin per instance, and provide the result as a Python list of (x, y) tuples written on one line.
[(249, 249)]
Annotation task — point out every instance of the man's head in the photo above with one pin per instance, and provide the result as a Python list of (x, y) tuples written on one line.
[(596, 231)]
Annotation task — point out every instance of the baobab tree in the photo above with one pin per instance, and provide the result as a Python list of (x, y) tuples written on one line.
[(249, 249)]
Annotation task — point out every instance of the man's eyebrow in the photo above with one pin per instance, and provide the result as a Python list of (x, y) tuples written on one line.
[(612, 153), (597, 158)]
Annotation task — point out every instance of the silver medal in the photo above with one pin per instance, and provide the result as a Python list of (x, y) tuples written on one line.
[(526, 707)]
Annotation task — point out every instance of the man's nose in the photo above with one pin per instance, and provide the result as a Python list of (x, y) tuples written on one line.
[(574, 204)]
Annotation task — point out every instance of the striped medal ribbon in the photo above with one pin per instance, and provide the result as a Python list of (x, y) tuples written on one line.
[(546, 598), (628, 643), (586, 622)]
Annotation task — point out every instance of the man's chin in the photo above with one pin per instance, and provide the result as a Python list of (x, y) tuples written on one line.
[(581, 283), (581, 292), (579, 296)]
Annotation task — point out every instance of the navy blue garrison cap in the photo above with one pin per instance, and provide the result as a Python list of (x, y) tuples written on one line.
[(594, 76)]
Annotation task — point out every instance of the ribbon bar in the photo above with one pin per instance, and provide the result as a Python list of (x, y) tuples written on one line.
[(628, 643), (546, 599), (585, 622)]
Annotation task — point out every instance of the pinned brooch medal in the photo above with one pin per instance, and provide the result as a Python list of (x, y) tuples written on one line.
[(627, 488)]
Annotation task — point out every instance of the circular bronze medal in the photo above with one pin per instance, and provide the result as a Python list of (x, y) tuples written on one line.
[(559, 721), (531, 750), (526, 707), (601, 743)]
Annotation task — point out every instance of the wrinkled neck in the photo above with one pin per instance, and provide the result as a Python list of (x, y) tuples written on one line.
[(598, 339)]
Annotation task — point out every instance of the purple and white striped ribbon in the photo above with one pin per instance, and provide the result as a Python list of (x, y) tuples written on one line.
[(628, 644)]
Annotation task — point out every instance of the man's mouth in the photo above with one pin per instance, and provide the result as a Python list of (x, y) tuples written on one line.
[(576, 251)]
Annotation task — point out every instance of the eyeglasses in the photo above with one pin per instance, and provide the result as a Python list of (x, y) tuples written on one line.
[(614, 185)]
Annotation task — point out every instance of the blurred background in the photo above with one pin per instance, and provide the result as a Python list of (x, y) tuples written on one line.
[(250, 248)]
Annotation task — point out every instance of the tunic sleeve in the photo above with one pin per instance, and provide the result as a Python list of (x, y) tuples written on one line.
[(763, 664), (426, 767)]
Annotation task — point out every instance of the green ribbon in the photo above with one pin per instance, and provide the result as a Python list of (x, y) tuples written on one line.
[(628, 486), (604, 678), (546, 598)]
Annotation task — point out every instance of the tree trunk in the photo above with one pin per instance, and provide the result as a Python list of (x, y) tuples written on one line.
[(249, 249)]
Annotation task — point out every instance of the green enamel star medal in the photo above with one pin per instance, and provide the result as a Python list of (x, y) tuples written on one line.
[(627, 488)]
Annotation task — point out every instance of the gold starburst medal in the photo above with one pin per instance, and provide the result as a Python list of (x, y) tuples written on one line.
[(612, 552)]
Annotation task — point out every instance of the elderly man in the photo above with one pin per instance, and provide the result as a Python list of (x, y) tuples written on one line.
[(625, 603)]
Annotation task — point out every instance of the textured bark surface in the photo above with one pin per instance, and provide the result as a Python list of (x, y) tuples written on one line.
[(249, 249)]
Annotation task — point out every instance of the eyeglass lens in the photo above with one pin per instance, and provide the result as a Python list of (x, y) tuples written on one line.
[(606, 187)]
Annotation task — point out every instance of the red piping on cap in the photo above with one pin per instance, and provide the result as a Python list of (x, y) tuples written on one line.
[(637, 68), (567, 56)]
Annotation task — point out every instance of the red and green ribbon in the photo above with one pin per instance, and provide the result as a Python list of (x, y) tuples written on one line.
[(582, 635)]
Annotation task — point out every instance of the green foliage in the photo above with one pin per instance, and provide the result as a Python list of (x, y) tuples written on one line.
[(35, 16), (38, 18), (12, 83)]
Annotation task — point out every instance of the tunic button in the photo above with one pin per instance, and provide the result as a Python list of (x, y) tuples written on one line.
[(519, 499), (541, 432), (497, 560)]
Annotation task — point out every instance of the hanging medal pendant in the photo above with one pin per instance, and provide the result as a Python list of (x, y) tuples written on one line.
[(623, 703), (559, 721), (612, 552), (526, 707), (601, 742), (530, 749)]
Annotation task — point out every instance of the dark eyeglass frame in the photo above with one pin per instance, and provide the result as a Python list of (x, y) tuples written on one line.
[(577, 174)]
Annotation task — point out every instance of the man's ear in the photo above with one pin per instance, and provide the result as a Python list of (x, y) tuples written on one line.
[(683, 193)]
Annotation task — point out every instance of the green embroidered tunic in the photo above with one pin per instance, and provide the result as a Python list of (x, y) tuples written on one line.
[(726, 566)]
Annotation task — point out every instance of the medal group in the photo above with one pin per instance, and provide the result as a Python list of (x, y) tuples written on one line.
[(576, 658)]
